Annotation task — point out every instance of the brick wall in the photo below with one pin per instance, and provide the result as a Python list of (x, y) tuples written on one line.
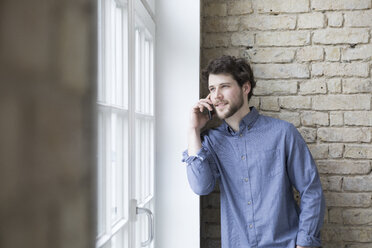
[(312, 62)]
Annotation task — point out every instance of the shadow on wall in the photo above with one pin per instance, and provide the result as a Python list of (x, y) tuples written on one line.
[(46, 146)]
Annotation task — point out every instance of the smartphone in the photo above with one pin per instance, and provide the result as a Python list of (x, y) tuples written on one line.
[(210, 113)]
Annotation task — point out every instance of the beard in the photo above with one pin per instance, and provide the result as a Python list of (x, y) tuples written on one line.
[(232, 108)]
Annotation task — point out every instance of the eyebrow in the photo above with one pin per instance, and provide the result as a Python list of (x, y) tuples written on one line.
[(226, 83)]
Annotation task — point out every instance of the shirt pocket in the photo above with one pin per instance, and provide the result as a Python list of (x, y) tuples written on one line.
[(268, 162)]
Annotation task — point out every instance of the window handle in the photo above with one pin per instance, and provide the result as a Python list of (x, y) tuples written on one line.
[(150, 218)]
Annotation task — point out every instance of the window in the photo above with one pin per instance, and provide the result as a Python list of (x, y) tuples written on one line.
[(125, 125)]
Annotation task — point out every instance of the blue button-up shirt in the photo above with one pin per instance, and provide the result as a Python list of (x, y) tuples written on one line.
[(257, 168)]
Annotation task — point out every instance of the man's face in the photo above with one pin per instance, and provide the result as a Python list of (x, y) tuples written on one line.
[(226, 95)]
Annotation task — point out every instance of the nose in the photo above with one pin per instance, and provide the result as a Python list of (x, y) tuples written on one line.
[(218, 94)]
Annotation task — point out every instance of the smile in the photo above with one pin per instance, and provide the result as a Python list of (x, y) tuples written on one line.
[(220, 105)]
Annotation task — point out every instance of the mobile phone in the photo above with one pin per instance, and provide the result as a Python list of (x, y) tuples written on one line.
[(210, 113)]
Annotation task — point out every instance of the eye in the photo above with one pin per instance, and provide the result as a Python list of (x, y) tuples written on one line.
[(211, 89)]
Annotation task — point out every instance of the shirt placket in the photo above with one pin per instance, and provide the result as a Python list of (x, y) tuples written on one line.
[(250, 224)]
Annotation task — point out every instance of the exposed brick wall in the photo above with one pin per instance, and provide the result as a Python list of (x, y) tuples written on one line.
[(312, 61)]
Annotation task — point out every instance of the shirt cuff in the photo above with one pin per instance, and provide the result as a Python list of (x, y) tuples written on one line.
[(201, 155), (306, 240)]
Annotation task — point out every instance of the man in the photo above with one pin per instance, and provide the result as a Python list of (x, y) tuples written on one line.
[(257, 159)]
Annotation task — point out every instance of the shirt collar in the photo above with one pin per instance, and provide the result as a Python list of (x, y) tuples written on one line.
[(247, 121)]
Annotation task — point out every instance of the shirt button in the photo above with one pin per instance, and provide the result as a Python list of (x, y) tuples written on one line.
[(249, 203), (243, 157), (241, 135), (246, 179), (250, 226)]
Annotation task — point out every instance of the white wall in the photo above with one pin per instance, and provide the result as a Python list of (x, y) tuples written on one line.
[(177, 85)]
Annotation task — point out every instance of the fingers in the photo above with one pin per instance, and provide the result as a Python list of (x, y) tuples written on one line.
[(209, 102), (207, 99), (200, 106), (206, 105)]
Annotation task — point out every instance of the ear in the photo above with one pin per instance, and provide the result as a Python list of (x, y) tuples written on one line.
[(246, 87)]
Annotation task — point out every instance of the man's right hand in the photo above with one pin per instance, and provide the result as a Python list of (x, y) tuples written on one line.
[(198, 119)]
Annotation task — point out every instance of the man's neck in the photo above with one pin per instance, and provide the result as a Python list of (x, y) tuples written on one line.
[(234, 120)]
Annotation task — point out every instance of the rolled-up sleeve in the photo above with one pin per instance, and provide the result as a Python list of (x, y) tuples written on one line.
[(201, 171), (304, 176)]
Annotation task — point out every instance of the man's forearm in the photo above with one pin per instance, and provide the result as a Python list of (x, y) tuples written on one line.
[(194, 141)]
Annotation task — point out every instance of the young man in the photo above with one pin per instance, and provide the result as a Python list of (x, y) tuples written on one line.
[(257, 159)]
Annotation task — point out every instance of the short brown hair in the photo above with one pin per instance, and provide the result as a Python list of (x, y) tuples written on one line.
[(238, 68)]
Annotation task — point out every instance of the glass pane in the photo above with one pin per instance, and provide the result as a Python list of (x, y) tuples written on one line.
[(151, 79), (147, 76), (126, 57), (142, 69), (118, 83), (137, 165), (117, 164), (100, 91), (100, 175), (126, 169), (117, 240), (121, 238), (137, 71), (114, 55), (143, 159), (144, 164), (152, 158), (109, 50), (144, 72), (107, 245), (147, 159)]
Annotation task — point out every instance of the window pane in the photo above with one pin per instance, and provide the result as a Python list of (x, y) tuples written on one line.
[(144, 161), (152, 158), (147, 160), (137, 165), (147, 76), (114, 54), (125, 68), (100, 89), (137, 71), (116, 167), (100, 175), (126, 169), (152, 93), (144, 110), (144, 71), (118, 83), (118, 240), (121, 238)]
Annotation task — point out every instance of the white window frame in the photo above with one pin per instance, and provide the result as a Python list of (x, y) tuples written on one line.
[(111, 103)]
